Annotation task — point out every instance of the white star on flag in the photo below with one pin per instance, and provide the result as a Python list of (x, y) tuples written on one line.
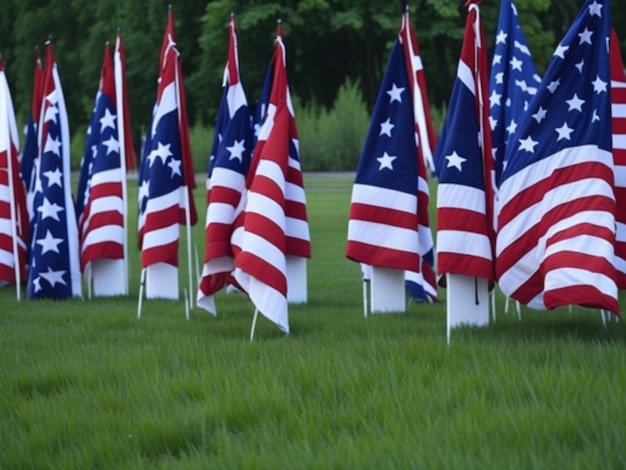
[(395, 94), (49, 243), (49, 210), (455, 160), (108, 120), (385, 128), (162, 152), (54, 177), (236, 150), (386, 161), (53, 276)]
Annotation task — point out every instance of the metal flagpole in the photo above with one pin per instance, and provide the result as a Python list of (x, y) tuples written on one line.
[(256, 314), (142, 283)]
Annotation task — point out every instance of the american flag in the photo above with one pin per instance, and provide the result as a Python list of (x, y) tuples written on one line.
[(464, 161), (228, 167), (274, 222), (54, 269), (618, 111), (166, 175), (388, 223), (127, 149), (100, 203), (556, 234), (13, 212), (512, 83)]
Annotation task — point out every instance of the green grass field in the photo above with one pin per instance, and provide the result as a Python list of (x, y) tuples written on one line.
[(84, 384)]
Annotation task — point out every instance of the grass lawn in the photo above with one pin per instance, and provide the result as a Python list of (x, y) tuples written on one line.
[(84, 384)]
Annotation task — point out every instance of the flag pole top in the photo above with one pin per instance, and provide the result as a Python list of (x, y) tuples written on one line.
[(49, 40), (406, 7), (119, 29), (169, 7)]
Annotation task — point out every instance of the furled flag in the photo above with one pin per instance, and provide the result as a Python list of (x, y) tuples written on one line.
[(556, 233), (30, 151), (127, 149), (464, 162), (166, 175), (100, 203), (275, 221), (513, 81), (228, 167), (389, 206), (618, 108), (13, 212), (54, 270)]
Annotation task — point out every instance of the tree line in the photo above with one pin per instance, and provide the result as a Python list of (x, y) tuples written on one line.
[(328, 43)]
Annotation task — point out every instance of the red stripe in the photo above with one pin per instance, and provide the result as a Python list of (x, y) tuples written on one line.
[(209, 285), (105, 190), (298, 247), (225, 195), (383, 215), (462, 220), (586, 296), (381, 256), (167, 253), (467, 265), (267, 273), (266, 229), (296, 210), (107, 250)]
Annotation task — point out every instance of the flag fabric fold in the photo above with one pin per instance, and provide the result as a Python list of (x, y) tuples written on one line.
[(228, 167), (512, 84), (464, 164), (556, 235), (13, 211), (54, 268), (618, 121), (100, 203), (388, 223), (275, 223), (166, 177)]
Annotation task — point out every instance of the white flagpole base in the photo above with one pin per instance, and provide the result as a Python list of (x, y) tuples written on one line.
[(296, 280), (109, 277), (162, 281), (387, 291), (467, 301)]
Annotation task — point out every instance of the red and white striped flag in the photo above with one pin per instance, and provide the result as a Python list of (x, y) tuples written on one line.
[(274, 221), (618, 110), (13, 212)]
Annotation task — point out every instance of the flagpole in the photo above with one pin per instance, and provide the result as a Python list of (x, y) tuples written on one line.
[(256, 314), (121, 137), (142, 283)]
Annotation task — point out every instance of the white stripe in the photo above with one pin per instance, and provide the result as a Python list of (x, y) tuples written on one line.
[(387, 236), (159, 203), (166, 105), (583, 243), (272, 171), (464, 73), (617, 84), (619, 174), (620, 264), (297, 228), (6, 227), (532, 174), (227, 178), (220, 213), (295, 193), (383, 197), (620, 235), (107, 233), (7, 258), (108, 176), (266, 207), (460, 242), (271, 303), (160, 237), (618, 110), (259, 246), (619, 141), (571, 277), (106, 204), (457, 196)]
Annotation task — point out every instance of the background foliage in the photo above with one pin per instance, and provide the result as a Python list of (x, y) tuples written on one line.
[(329, 43)]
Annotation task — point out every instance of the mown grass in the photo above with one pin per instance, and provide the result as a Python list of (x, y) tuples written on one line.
[(84, 384)]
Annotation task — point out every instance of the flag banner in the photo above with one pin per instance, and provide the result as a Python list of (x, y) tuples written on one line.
[(127, 149), (166, 175), (54, 268), (100, 203), (228, 167), (390, 189), (618, 120), (274, 221), (13, 211), (512, 84), (464, 164), (556, 235)]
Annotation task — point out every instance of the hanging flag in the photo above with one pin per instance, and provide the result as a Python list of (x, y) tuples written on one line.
[(100, 203), (29, 153), (166, 175), (390, 189), (226, 183), (618, 112), (127, 149), (13, 212), (274, 221), (54, 270), (557, 219), (464, 162), (512, 84)]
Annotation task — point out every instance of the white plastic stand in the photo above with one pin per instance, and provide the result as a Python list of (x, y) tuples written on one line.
[(296, 280), (162, 281), (109, 277), (467, 301), (387, 291)]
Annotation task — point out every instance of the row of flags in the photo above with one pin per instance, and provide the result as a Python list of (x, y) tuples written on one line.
[(528, 168)]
